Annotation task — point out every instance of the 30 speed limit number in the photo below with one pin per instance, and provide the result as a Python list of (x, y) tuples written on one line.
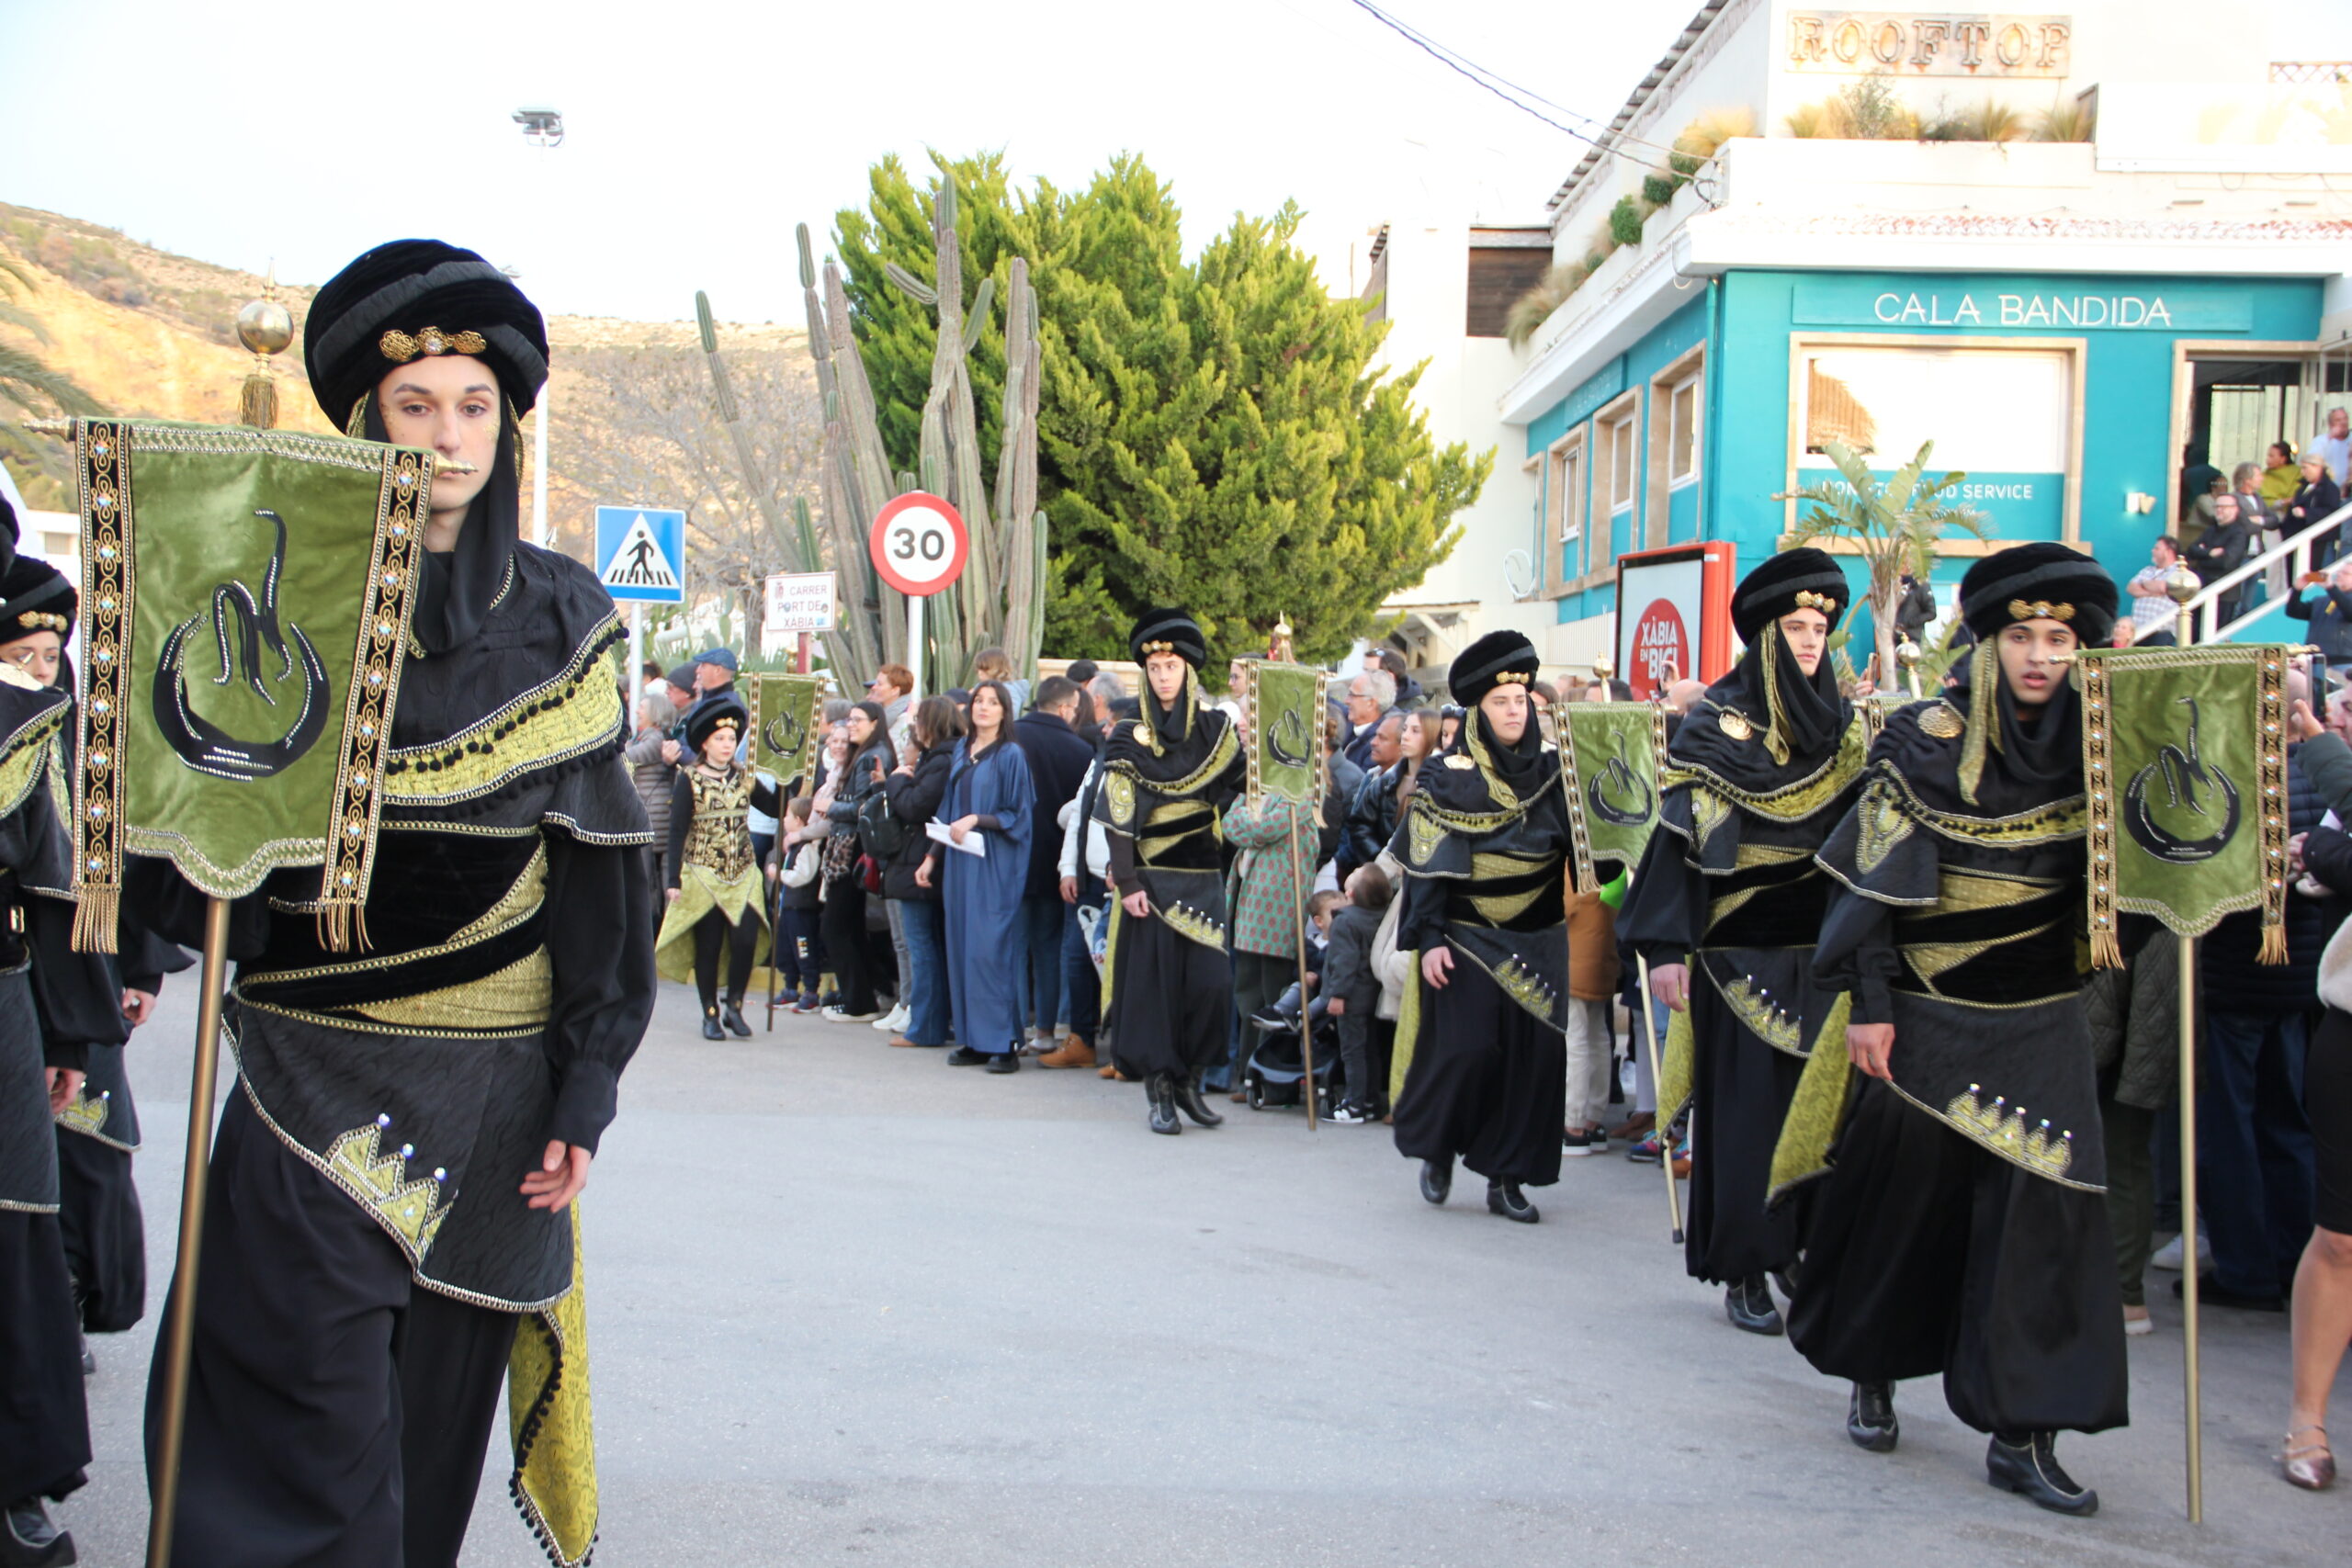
[(918, 544)]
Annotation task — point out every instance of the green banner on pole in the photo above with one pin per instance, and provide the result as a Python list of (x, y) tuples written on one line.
[(1286, 758), (2185, 765), (783, 723), (1609, 757), (246, 598)]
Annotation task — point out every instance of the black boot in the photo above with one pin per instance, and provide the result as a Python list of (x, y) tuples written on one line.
[(1194, 1103), (1160, 1088), (730, 1013), (28, 1539), (2027, 1464), (1504, 1198), (1748, 1303), (711, 1030), (1437, 1180), (1869, 1417)]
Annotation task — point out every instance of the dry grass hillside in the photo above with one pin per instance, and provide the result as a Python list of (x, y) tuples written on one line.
[(150, 333)]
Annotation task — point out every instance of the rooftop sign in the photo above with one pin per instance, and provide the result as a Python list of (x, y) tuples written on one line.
[(1930, 43)]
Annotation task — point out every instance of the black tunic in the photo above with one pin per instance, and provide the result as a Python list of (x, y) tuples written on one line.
[(54, 1005), (1168, 996), (1961, 1227), (1486, 881), (1730, 888)]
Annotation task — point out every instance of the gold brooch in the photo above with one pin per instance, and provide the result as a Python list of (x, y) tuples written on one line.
[(1735, 723), (400, 348), (42, 621), (1142, 733), (1808, 599), (1152, 648), (2040, 610), (1510, 678), (1944, 722)]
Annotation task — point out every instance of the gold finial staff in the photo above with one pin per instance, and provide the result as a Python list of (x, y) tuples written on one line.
[(264, 327)]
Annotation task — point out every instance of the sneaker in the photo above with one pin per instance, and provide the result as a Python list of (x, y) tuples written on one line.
[(2169, 1256), (2137, 1321), (1350, 1114), (807, 1002), (1643, 1153), (1575, 1145), (843, 1015), (893, 1022)]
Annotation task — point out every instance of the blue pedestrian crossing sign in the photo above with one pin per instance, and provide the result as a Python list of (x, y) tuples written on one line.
[(641, 553)]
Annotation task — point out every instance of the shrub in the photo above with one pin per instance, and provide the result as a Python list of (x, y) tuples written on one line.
[(1658, 189), (1625, 222)]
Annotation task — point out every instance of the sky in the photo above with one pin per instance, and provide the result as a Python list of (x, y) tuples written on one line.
[(700, 131)]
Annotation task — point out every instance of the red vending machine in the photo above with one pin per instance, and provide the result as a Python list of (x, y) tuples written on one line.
[(1674, 615)]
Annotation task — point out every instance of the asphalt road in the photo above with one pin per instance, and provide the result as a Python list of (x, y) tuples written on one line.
[(849, 1304)]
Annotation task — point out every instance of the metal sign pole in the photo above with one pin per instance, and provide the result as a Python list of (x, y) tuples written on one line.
[(914, 639), (635, 682)]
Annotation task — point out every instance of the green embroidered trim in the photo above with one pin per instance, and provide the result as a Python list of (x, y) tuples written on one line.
[(413, 1210), (578, 711), (1817, 1109), (1882, 827), (1791, 802), (28, 758), (1761, 1017), (2006, 1134), (1120, 791), (1193, 925)]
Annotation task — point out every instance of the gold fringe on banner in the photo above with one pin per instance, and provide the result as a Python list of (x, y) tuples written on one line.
[(2271, 737)]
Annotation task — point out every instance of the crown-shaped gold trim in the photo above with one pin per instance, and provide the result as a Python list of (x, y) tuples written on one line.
[(2040, 610), (2001, 1127), (414, 1208)]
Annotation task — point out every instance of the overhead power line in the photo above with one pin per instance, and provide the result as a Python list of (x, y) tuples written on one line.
[(1508, 92)]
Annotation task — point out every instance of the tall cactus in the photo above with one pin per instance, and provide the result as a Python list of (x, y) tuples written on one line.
[(1000, 599)]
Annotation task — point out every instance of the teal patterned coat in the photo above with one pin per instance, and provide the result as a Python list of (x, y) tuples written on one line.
[(1272, 875)]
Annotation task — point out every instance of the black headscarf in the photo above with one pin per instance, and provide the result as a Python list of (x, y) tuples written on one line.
[(421, 299), (2008, 762), (36, 597), (1767, 724)]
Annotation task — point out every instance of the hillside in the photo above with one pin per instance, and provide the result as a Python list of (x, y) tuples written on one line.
[(151, 333)]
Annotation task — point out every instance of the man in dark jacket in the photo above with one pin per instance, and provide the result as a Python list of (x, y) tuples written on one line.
[(1914, 606), (2253, 1144), (2221, 550), (2325, 599), (1058, 757)]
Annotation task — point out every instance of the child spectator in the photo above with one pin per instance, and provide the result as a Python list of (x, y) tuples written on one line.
[(1351, 987), (799, 952)]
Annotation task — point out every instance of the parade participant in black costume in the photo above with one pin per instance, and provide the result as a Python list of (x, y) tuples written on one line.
[(55, 1004), (1963, 1227), (1168, 776), (97, 1130), (1485, 848), (713, 880), (1726, 905), (389, 1215)]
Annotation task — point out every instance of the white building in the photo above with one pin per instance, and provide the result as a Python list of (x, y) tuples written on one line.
[(2063, 318)]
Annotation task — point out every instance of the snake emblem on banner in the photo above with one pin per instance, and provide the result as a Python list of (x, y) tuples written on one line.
[(2184, 773), (205, 746)]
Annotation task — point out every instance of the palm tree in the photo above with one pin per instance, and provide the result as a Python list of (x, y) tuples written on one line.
[(26, 379), (1894, 523)]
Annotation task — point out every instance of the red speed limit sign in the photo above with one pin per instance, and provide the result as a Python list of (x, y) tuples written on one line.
[(917, 544)]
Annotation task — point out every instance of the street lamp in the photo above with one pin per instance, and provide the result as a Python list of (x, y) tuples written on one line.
[(543, 129)]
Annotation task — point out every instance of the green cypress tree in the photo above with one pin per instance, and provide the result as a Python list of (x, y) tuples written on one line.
[(1211, 434)]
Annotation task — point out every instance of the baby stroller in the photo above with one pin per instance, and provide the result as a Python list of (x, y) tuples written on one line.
[(1273, 1077)]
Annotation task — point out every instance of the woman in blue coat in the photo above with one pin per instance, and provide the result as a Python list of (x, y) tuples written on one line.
[(988, 793)]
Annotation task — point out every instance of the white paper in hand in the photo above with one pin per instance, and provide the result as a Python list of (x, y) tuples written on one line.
[(973, 845)]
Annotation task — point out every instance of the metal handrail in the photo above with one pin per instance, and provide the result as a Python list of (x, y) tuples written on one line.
[(2295, 550)]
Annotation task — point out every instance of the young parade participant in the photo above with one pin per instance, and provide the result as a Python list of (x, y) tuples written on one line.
[(97, 1130), (714, 876), (391, 1183), (1168, 776), (56, 1004), (1962, 1228), (1728, 900), (1485, 847)]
